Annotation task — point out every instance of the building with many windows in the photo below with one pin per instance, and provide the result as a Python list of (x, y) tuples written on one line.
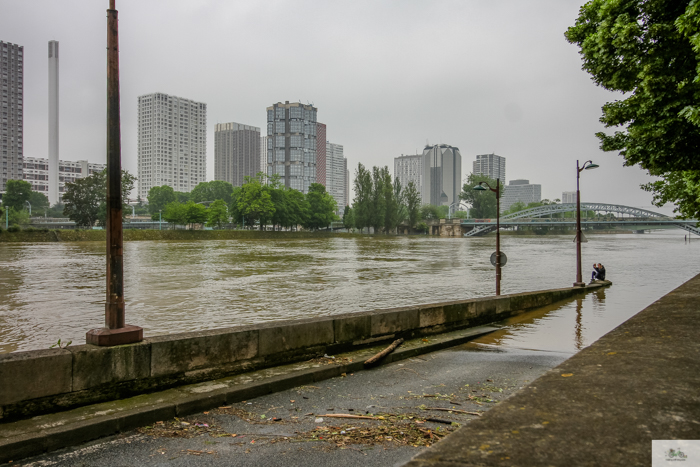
[(321, 154), (441, 175), (11, 112), (236, 152), (491, 165), (347, 183), (172, 142), (36, 172), (409, 168), (336, 169), (291, 144), (520, 191), (568, 197), (263, 155)]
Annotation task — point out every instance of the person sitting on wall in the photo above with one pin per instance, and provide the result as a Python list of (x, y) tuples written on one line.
[(595, 273), (601, 272)]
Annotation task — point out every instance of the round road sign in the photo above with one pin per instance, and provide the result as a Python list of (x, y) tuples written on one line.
[(504, 259)]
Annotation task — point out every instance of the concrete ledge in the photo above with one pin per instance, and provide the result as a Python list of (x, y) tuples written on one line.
[(28, 375), (46, 381), (603, 406), (45, 433)]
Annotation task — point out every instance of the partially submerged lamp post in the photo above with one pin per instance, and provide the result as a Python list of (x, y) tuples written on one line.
[(116, 331), (497, 190), (588, 165)]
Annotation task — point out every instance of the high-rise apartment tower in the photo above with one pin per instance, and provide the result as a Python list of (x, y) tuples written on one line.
[(336, 166), (321, 154), (11, 115), (409, 168), (172, 142), (491, 165), (442, 175), (236, 152), (263, 155), (291, 144)]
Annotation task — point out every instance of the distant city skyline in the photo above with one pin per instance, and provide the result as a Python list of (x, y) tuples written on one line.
[(543, 118)]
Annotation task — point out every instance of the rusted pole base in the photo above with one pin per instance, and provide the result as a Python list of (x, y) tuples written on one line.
[(579, 284), (108, 337)]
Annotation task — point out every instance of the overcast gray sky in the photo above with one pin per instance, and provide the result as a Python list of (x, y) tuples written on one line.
[(387, 77)]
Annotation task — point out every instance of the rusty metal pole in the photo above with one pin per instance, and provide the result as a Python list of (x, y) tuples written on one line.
[(116, 331), (114, 312)]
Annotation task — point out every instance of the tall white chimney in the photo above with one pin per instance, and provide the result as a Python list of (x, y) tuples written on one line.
[(53, 122)]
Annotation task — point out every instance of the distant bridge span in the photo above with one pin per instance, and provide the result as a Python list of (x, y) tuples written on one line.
[(642, 217)]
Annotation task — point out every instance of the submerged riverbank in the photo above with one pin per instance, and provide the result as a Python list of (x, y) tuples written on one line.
[(131, 235)]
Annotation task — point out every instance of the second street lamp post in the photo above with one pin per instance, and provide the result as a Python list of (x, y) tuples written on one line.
[(497, 190), (586, 166)]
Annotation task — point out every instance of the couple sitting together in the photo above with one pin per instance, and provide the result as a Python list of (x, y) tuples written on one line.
[(598, 272)]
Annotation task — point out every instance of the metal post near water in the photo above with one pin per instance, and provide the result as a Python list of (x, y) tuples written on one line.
[(160, 219), (586, 166), (497, 190), (116, 331)]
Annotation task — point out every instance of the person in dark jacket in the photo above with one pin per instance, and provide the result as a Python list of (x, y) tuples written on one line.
[(595, 273), (601, 272)]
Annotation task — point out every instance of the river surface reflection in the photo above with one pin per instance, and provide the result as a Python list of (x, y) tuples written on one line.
[(56, 290)]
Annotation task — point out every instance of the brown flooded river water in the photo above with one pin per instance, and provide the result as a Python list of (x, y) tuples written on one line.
[(56, 290)]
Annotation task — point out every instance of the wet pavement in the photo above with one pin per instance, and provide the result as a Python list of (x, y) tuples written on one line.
[(293, 427)]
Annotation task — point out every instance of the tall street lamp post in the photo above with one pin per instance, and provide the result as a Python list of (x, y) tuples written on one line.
[(160, 219), (116, 331), (588, 165), (497, 190), (30, 208)]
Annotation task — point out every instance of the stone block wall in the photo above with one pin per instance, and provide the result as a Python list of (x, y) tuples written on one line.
[(43, 381)]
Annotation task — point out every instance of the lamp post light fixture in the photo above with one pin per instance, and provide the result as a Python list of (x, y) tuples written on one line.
[(30, 208), (497, 190), (588, 165)]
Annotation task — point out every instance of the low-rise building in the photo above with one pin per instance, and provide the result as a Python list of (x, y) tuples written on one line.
[(36, 172), (522, 191)]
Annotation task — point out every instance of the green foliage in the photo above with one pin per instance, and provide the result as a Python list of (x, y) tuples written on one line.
[(429, 212), (175, 213), (182, 197), (16, 217), (17, 193), (461, 215), (348, 218), (483, 203), (212, 191), (56, 210), (39, 202), (650, 50), (680, 188), (218, 214), (517, 207), (412, 199), (322, 207), (362, 204), (377, 211), (254, 201), (85, 199), (159, 197)]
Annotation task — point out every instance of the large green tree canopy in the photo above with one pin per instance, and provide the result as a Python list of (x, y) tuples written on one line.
[(649, 50)]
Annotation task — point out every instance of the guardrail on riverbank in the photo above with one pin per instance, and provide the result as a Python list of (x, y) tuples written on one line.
[(43, 381)]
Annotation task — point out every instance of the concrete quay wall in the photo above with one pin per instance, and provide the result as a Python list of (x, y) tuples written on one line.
[(44, 381)]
